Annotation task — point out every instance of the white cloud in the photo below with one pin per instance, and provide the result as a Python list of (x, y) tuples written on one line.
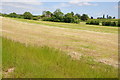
[(86, 4), (61, 5), (77, 1), (82, 2), (19, 0), (60, 0), (31, 2), (64, 5), (19, 7)]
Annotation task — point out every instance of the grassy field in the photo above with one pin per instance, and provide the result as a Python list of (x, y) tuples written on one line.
[(44, 62), (0, 58), (78, 48), (80, 26)]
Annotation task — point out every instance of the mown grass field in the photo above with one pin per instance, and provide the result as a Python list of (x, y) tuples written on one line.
[(44, 62), (51, 49), (81, 26)]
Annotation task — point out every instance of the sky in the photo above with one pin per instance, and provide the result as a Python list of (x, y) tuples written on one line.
[(95, 8)]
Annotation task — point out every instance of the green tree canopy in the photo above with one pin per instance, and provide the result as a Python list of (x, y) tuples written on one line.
[(78, 15), (27, 15), (47, 14), (84, 17), (72, 13), (58, 13), (70, 18), (14, 15)]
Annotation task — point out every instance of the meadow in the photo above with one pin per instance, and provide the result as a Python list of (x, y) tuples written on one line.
[(80, 26), (40, 49), (44, 62)]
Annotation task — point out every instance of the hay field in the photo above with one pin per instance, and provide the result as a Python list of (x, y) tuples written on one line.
[(101, 46)]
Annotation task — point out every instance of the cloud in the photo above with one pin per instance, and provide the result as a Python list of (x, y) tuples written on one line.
[(60, 0), (19, 0), (77, 1), (61, 5), (19, 7), (64, 5), (86, 4), (31, 2), (82, 2)]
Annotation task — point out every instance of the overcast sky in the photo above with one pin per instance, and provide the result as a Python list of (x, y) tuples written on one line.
[(94, 8)]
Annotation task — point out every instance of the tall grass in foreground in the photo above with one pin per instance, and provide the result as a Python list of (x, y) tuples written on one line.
[(0, 58), (44, 62)]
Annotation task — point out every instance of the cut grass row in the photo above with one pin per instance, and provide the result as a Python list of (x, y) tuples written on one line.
[(44, 62), (81, 26)]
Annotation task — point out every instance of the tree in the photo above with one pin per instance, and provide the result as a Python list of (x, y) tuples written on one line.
[(84, 17), (103, 16), (109, 17), (69, 18), (58, 15), (113, 17), (72, 13), (27, 15), (47, 14), (14, 15), (91, 17), (78, 15)]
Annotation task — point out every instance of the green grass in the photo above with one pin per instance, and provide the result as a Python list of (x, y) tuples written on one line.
[(0, 58), (44, 62), (81, 26)]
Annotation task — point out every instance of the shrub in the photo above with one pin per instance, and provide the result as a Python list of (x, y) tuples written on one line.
[(47, 19), (77, 21), (93, 22), (87, 22), (103, 23), (35, 18), (109, 23), (84, 17), (96, 23), (113, 24)]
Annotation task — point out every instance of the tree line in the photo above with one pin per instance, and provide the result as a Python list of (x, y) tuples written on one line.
[(107, 17), (56, 16), (59, 16), (105, 23)]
